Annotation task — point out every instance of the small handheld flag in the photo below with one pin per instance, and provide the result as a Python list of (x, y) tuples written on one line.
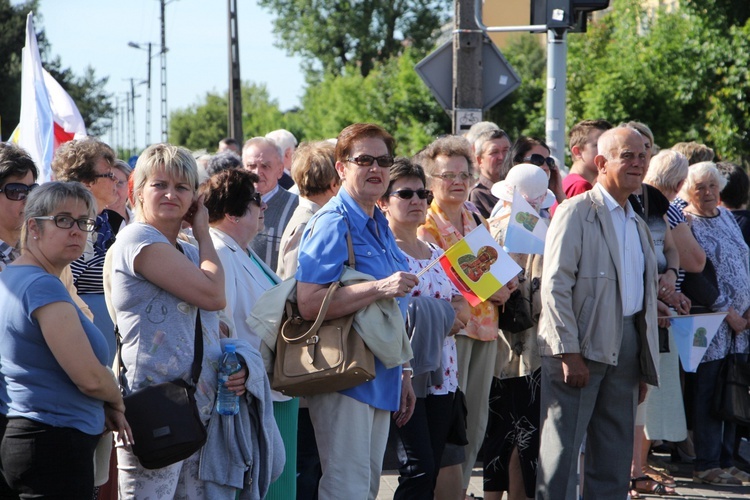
[(478, 266), (526, 230), (693, 334)]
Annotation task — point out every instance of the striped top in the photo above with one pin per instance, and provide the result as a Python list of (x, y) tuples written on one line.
[(88, 269)]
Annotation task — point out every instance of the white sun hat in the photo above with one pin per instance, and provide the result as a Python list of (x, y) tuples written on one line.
[(530, 180)]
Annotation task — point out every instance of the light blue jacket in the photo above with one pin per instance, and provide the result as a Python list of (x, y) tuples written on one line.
[(244, 452)]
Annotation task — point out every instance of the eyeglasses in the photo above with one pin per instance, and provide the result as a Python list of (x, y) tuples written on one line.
[(109, 175), (408, 194), (66, 222), (16, 191), (540, 160), (385, 161), (451, 176), (257, 199)]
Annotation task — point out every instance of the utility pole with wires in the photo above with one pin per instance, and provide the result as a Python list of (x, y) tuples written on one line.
[(235, 84), (467, 68), (164, 122)]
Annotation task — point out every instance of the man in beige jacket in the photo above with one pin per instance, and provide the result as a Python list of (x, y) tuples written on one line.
[(597, 332)]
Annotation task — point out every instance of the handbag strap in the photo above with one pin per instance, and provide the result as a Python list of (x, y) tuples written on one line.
[(197, 365), (329, 295)]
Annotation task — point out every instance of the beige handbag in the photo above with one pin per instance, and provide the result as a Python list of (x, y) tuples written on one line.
[(320, 356)]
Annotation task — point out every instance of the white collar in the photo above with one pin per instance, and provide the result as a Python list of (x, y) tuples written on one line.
[(612, 204)]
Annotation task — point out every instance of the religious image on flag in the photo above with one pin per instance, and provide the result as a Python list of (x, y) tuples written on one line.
[(49, 116), (478, 266), (693, 334), (526, 231)]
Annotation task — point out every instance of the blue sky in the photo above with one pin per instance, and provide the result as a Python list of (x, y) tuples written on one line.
[(97, 32)]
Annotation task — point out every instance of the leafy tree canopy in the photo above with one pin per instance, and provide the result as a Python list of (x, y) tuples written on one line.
[(683, 74), (332, 34), (203, 125)]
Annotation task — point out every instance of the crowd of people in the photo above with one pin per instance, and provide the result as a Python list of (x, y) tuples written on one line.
[(571, 365)]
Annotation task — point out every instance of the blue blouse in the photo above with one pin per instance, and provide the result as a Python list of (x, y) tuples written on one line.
[(322, 254)]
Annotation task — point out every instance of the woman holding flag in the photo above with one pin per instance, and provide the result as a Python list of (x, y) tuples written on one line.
[(511, 446), (420, 442), (447, 162)]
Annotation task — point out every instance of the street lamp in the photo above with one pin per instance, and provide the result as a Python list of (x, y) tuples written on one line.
[(148, 86)]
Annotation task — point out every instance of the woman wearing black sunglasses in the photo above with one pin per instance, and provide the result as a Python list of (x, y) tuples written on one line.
[(17, 178), (534, 151), (421, 441)]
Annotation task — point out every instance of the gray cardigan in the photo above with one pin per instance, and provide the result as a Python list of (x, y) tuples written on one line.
[(428, 322)]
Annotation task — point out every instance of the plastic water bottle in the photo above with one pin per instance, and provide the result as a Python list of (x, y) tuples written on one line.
[(227, 402)]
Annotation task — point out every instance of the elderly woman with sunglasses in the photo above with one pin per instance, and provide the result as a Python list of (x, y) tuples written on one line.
[(351, 426), (90, 162), (421, 441), (534, 151), (447, 162), (58, 392)]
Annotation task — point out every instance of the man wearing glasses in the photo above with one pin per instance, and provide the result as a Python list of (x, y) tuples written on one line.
[(263, 157)]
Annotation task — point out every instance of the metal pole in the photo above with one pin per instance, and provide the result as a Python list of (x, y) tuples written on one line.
[(148, 99), (133, 146), (235, 85), (557, 74), (116, 128), (164, 123), (122, 128), (127, 121), (467, 68)]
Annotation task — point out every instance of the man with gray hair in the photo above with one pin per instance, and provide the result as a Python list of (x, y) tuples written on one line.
[(263, 157), (286, 142), (598, 334)]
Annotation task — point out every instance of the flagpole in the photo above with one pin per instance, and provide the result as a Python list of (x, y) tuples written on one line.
[(428, 267)]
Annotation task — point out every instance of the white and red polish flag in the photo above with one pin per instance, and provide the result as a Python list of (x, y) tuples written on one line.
[(49, 117)]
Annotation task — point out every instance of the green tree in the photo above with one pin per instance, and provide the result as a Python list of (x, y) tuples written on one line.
[(204, 124), (200, 126), (683, 74), (333, 34), (391, 95), (720, 13)]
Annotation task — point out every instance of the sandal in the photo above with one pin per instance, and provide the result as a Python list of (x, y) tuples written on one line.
[(633, 494), (738, 474), (716, 477), (661, 477), (652, 487)]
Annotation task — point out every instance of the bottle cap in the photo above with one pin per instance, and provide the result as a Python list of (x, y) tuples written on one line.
[(229, 348)]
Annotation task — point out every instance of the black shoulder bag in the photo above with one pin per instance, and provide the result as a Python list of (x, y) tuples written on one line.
[(164, 417)]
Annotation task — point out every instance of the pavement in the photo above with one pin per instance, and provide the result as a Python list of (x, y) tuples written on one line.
[(686, 488)]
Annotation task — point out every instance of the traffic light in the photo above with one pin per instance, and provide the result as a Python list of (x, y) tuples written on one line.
[(564, 14)]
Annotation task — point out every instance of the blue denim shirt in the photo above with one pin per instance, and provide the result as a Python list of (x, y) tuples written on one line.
[(322, 254)]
